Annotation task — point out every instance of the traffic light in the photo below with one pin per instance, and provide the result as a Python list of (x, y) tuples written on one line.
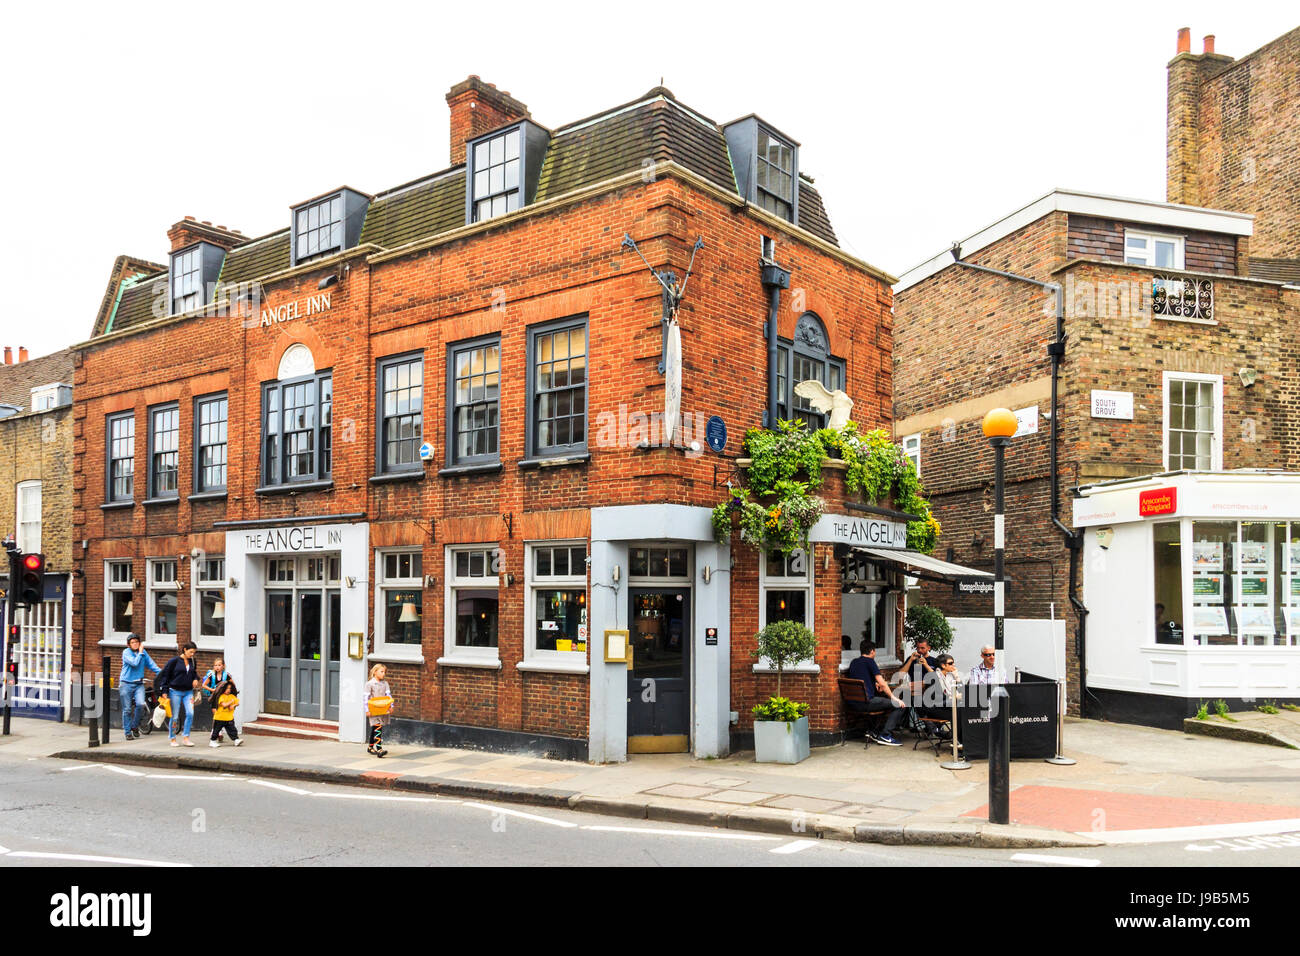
[(31, 580)]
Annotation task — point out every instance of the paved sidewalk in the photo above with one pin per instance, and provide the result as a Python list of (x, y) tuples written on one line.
[(1128, 784)]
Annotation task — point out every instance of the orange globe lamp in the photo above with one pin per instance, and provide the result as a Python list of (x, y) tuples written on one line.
[(1000, 423)]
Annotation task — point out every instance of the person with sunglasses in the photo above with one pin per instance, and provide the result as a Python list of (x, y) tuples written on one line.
[(986, 671)]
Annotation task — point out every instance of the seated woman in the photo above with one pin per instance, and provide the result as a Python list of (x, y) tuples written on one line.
[(940, 692)]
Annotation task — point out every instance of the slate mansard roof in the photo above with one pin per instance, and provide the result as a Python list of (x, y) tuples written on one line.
[(655, 128)]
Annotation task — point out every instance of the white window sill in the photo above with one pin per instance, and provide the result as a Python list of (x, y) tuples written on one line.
[(117, 640), (483, 663), (543, 666), (806, 668), (1185, 321), (210, 643), (396, 655)]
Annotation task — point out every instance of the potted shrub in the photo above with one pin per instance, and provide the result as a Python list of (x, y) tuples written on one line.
[(924, 622), (781, 725)]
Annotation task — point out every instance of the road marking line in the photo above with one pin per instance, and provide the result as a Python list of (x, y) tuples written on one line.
[(793, 847), (521, 814), (183, 776), (706, 834), (84, 766), (1060, 860), (3, 850), (278, 786), (378, 796), (1208, 832), (94, 859), (122, 770)]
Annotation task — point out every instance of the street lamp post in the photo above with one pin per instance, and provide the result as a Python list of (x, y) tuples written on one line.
[(999, 425)]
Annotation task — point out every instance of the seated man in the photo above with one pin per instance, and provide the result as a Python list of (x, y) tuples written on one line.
[(920, 670), (986, 671), (880, 698)]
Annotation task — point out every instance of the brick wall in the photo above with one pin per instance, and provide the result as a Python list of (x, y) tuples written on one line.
[(38, 447), (499, 281), (1233, 140)]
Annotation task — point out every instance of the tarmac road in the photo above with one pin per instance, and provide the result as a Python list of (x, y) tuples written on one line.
[(61, 812)]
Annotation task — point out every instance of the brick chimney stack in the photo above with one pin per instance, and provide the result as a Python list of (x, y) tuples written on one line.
[(1187, 72), (477, 108), (9, 355), (22, 354), (189, 231)]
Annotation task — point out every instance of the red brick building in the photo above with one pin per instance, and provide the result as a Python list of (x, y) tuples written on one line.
[(1176, 370), (425, 427)]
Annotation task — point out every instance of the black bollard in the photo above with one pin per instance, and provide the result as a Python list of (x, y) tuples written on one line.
[(103, 693), (94, 731), (999, 756)]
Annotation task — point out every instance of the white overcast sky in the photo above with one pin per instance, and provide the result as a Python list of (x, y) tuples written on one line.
[(920, 121)]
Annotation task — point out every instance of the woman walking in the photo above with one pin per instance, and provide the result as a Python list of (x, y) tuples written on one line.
[(180, 677), (379, 709)]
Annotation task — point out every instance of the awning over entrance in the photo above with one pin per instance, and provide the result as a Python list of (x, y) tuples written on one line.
[(930, 569)]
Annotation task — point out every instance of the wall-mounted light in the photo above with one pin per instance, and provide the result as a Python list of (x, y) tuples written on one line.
[(233, 583), (430, 580), (507, 579), (706, 574), (351, 582), (356, 645), (614, 574), (329, 280)]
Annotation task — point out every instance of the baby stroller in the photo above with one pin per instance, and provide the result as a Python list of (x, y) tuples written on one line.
[(151, 703)]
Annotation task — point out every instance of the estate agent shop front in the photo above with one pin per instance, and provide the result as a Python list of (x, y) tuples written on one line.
[(1192, 581)]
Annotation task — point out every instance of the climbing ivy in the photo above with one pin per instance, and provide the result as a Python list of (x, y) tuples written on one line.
[(876, 469)]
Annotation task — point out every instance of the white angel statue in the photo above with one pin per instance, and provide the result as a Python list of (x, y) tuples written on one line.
[(824, 400)]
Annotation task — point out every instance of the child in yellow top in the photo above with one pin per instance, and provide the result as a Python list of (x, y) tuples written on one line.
[(225, 700)]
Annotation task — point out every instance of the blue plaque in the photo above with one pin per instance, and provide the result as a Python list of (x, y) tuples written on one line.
[(715, 433)]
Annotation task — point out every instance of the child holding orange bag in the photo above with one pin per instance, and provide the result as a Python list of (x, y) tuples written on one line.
[(379, 709)]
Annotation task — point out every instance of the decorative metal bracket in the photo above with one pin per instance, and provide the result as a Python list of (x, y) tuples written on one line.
[(672, 292), (432, 533), (509, 521), (731, 472)]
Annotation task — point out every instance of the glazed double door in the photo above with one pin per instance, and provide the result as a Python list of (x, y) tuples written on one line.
[(302, 654)]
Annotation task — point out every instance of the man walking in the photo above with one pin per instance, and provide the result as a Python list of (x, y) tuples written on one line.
[(131, 684)]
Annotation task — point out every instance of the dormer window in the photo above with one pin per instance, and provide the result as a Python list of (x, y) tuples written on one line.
[(502, 170), (56, 395), (194, 272), (326, 225), (776, 175), (496, 175), (766, 164), (320, 229)]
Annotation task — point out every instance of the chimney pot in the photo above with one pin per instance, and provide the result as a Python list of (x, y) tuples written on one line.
[(9, 355), (1209, 43), (1185, 40), (22, 353), (191, 218)]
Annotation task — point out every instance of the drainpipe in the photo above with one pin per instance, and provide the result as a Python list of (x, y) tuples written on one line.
[(774, 280), (1073, 539)]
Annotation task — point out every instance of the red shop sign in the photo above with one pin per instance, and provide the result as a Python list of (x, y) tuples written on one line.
[(1158, 501)]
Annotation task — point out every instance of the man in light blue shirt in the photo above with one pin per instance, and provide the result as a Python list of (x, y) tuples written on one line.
[(131, 684)]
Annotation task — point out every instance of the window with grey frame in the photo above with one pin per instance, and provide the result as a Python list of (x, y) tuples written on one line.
[(210, 443), (187, 280), (319, 228), (558, 387), (474, 415), (401, 412), (807, 358), (496, 175), (296, 417), (775, 173), (164, 450), (121, 457)]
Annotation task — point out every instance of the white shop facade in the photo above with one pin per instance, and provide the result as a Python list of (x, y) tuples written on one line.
[(1192, 584), (296, 620)]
